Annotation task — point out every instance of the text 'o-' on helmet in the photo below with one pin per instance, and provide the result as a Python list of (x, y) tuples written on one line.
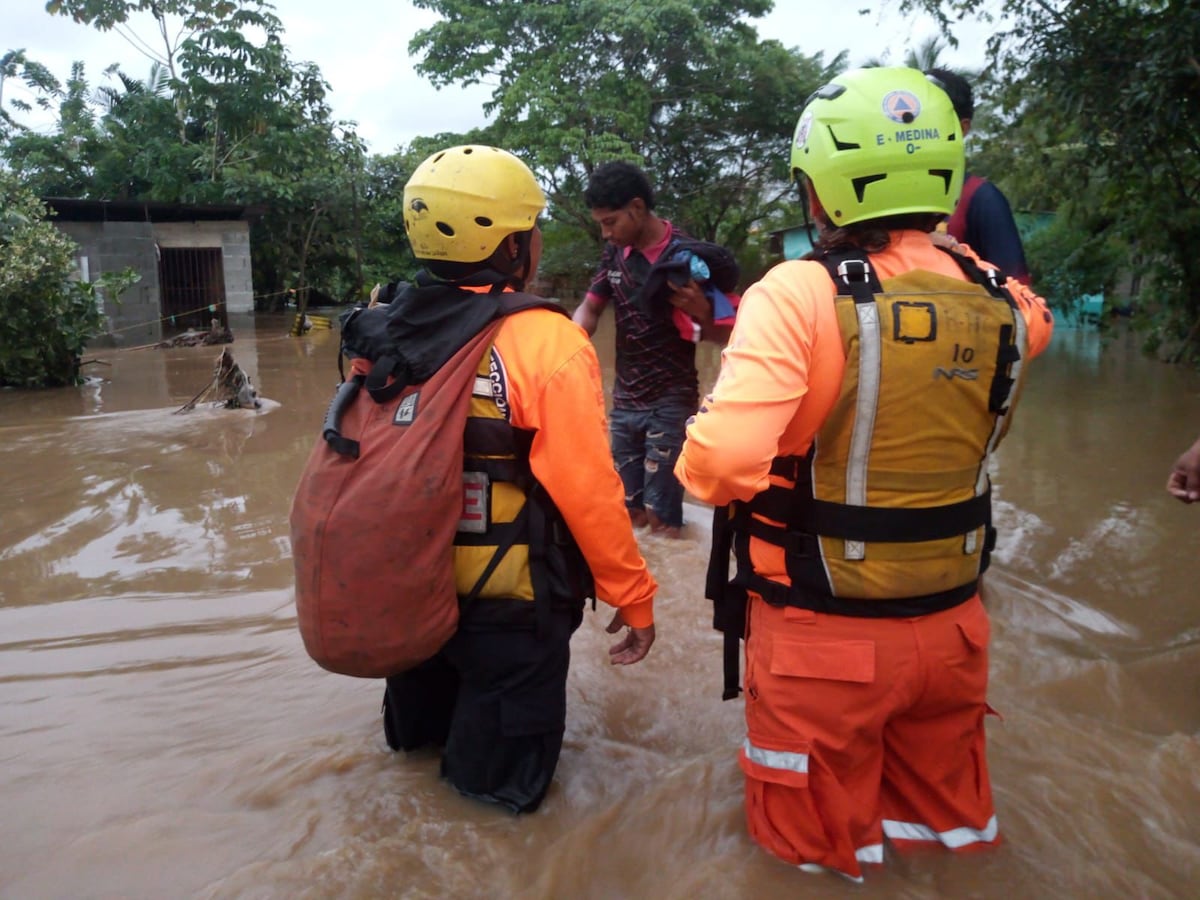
[(462, 202), (880, 142)]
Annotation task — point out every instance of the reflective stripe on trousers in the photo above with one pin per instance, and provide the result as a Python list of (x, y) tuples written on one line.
[(955, 838), (776, 759), (798, 762)]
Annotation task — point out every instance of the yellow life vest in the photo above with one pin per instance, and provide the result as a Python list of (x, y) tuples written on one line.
[(496, 481), (889, 512), (511, 540)]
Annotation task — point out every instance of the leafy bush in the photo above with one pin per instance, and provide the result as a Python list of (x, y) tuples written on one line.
[(47, 317), (1067, 261)]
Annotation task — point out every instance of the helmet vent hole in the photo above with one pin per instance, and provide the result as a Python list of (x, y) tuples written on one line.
[(468, 150), (438, 158), (842, 145), (445, 229), (483, 221), (860, 184), (947, 176), (907, 117)]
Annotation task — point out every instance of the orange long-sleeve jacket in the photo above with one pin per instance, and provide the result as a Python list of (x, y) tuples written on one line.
[(553, 387), (782, 369)]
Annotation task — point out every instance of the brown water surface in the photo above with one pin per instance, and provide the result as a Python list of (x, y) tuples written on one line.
[(163, 733)]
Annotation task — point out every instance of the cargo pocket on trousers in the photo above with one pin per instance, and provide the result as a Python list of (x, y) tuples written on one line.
[(975, 630), (779, 731), (784, 764), (968, 673), (784, 673), (975, 633), (852, 661)]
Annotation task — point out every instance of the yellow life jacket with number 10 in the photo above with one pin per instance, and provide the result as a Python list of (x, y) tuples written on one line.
[(889, 512)]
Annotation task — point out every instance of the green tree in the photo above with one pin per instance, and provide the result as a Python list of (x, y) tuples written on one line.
[(684, 87), (57, 164), (1071, 257), (926, 55), (177, 23), (227, 117), (15, 65), (386, 249), (138, 154), (1101, 100), (47, 315)]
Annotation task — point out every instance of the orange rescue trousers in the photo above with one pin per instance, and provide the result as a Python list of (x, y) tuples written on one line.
[(864, 729)]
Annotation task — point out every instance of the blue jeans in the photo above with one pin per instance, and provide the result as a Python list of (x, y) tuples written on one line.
[(645, 445)]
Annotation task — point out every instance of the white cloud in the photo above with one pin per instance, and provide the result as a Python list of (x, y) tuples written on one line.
[(361, 47)]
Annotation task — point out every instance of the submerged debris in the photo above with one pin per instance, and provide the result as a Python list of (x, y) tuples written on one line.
[(230, 387), (216, 334)]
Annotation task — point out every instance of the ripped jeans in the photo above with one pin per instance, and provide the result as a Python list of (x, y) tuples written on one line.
[(645, 445)]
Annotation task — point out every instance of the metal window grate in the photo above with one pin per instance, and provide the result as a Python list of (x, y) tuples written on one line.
[(192, 287)]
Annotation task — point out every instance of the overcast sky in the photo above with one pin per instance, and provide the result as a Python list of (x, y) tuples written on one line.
[(361, 49)]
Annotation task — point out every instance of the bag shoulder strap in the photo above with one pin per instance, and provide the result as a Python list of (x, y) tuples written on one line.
[(516, 301), (992, 279)]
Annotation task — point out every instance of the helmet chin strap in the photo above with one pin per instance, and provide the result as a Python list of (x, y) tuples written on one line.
[(524, 257), (497, 272), (517, 262), (812, 227), (479, 278)]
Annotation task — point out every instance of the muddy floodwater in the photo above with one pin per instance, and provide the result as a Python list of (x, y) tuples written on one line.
[(163, 733)]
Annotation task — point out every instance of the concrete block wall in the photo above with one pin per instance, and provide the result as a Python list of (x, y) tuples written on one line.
[(233, 237), (239, 283), (133, 318), (113, 246)]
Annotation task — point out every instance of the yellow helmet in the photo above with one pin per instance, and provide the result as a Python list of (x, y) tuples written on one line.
[(462, 202)]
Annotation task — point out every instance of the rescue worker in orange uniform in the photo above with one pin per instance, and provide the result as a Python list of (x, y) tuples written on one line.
[(495, 696), (859, 399)]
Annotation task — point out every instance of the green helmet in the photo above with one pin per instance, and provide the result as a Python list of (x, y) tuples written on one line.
[(880, 142), (462, 202)]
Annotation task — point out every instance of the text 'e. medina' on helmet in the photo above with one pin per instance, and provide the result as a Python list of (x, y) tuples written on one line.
[(879, 142)]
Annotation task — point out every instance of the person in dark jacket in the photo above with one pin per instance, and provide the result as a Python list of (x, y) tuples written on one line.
[(657, 386), (983, 219)]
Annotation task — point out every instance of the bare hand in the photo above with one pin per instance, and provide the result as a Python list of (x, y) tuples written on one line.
[(690, 298), (1184, 481), (633, 647), (943, 239)]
